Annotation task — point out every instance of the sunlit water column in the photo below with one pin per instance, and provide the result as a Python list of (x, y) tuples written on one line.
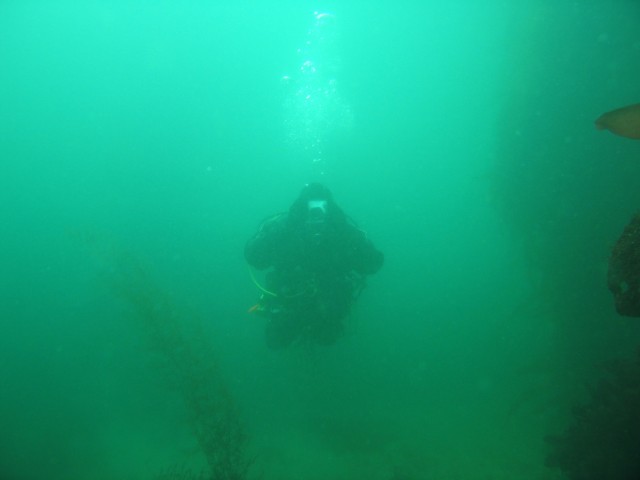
[(314, 109)]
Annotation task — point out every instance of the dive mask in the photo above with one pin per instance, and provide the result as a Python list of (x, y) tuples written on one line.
[(316, 211), (316, 218)]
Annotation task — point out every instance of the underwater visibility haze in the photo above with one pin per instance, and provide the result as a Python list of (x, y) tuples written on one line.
[(141, 145)]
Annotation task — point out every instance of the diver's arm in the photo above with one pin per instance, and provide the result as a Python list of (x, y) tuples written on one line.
[(371, 259), (260, 249), (366, 258)]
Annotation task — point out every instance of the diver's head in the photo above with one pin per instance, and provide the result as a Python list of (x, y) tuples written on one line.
[(317, 211), (315, 191), (314, 211), (317, 219)]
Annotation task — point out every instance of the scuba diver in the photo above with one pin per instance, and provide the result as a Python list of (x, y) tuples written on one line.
[(318, 260)]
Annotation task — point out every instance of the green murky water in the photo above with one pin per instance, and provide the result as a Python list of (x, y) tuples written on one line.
[(142, 142)]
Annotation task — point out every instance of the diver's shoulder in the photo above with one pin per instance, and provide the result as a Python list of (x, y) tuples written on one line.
[(273, 223)]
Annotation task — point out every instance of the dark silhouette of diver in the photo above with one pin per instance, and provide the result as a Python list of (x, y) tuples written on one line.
[(318, 260)]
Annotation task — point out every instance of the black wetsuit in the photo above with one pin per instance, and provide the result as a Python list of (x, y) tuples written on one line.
[(315, 276)]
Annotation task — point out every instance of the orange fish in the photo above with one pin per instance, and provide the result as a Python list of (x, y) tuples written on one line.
[(623, 121), (254, 308)]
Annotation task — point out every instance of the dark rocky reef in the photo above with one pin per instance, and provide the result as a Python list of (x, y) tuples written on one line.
[(624, 270), (603, 439)]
